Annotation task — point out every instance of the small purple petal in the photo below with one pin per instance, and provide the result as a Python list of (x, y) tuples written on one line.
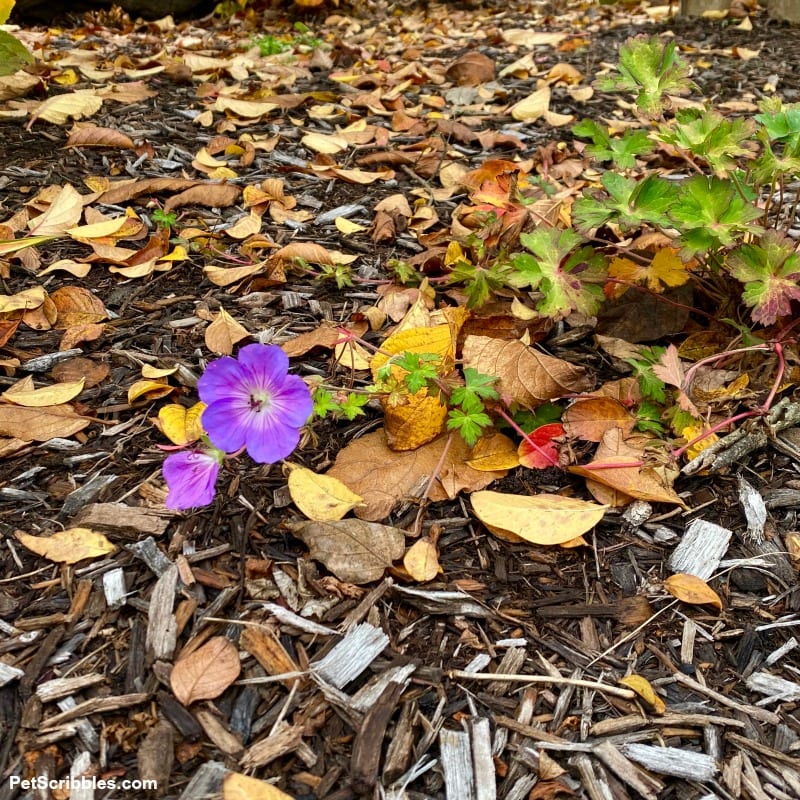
[(269, 440), (191, 477), (267, 364), (222, 378), (293, 404), (227, 422)]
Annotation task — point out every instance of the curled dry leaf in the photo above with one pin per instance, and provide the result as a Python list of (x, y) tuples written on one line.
[(385, 477), (320, 497), (69, 546), (62, 107), (693, 590), (353, 550), (181, 425), (527, 376), (62, 213), (223, 333), (422, 561), (152, 390), (206, 672), (471, 69), (541, 519), (236, 786), (645, 690)]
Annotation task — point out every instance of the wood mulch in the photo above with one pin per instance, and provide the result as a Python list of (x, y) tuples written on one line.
[(499, 679)]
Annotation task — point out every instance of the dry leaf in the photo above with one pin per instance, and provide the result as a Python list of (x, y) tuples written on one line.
[(527, 376), (94, 136), (241, 787), (206, 672), (644, 689), (61, 107), (533, 106), (471, 69), (64, 212), (422, 561), (53, 395), (40, 424), (69, 546), (589, 419), (320, 497), (77, 306), (307, 251), (493, 452), (181, 425), (620, 465), (385, 477), (151, 390), (693, 590), (91, 372), (325, 143), (353, 550), (223, 333), (540, 519)]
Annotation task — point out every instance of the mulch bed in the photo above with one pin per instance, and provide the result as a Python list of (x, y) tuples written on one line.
[(499, 679)]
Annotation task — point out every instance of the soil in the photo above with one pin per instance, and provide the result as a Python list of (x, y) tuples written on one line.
[(427, 730)]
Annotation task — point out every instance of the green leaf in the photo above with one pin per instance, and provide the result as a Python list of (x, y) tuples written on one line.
[(324, 403), (770, 272), (469, 420), (710, 136), (421, 369), (13, 54), (711, 213), (353, 405), (649, 69), (477, 386), (622, 151), (569, 280)]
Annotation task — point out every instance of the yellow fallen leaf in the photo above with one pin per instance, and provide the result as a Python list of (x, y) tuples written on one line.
[(351, 355), (693, 590), (181, 425), (644, 689), (69, 546), (54, 395), (152, 390), (61, 107), (533, 106), (345, 226), (325, 143), (241, 787), (155, 373), (493, 452), (422, 560), (540, 519), (62, 213), (320, 497), (22, 301), (691, 432)]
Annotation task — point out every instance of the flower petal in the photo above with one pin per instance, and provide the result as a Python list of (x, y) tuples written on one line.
[(191, 477), (269, 440), (266, 364), (227, 422), (293, 404), (223, 378)]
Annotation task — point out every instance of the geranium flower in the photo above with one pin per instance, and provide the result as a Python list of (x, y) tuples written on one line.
[(191, 476), (253, 402)]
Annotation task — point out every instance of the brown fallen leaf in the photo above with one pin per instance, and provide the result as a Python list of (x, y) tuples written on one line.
[(527, 376), (206, 672), (209, 195), (541, 519), (69, 546), (384, 477), (355, 551), (471, 69), (91, 372), (77, 306), (621, 464), (693, 590), (95, 136), (40, 424), (223, 333), (589, 419), (76, 334)]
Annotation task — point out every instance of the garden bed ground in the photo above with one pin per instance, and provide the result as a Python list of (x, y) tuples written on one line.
[(373, 695)]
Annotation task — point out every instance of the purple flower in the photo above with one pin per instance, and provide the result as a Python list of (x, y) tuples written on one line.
[(252, 402), (191, 476)]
